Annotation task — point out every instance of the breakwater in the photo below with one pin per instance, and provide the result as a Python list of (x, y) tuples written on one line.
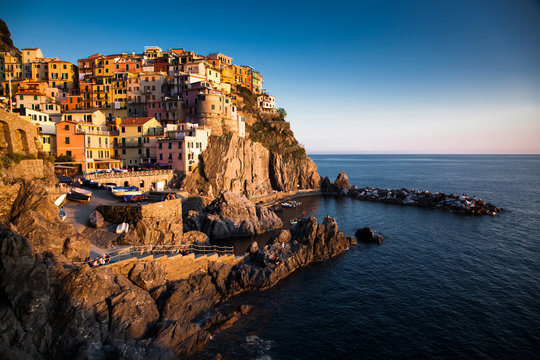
[(461, 204)]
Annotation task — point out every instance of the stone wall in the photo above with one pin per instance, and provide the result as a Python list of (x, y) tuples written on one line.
[(176, 267), (17, 135), (27, 170), (170, 211)]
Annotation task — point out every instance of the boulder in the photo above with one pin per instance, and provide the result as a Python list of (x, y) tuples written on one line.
[(367, 235), (96, 219), (342, 182), (147, 275), (196, 237), (326, 185), (231, 215)]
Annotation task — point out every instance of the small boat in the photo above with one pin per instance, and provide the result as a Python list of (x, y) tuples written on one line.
[(291, 204), (62, 214), (294, 221), (81, 191), (79, 195), (135, 198), (122, 228), (120, 191), (60, 200)]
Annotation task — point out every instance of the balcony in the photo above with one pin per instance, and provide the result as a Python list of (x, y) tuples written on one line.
[(95, 132)]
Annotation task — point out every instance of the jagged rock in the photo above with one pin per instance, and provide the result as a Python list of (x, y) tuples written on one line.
[(342, 182), (368, 235), (147, 275), (246, 167), (96, 219), (289, 173), (326, 185), (308, 242), (149, 232), (231, 215), (196, 237)]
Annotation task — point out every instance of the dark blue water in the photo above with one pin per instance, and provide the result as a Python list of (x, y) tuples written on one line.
[(441, 286)]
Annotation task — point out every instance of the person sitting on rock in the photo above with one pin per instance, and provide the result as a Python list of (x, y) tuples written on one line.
[(101, 260), (95, 263), (107, 258)]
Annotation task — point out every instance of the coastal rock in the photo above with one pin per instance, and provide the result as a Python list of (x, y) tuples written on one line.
[(290, 173), (96, 219), (196, 237), (307, 242), (246, 167), (36, 218), (367, 235), (326, 185), (149, 232), (342, 182), (147, 275), (231, 215)]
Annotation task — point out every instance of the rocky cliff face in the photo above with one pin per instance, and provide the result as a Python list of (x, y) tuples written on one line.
[(6, 44), (247, 167)]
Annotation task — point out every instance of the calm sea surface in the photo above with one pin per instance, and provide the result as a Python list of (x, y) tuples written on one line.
[(441, 286)]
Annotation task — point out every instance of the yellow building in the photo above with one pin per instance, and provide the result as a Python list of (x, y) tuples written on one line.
[(62, 75), (227, 76), (129, 146)]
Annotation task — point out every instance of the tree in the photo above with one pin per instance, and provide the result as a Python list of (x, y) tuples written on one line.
[(282, 113)]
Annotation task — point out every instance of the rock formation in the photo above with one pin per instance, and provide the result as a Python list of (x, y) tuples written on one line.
[(367, 235), (248, 168), (231, 215), (35, 217), (464, 204), (6, 44)]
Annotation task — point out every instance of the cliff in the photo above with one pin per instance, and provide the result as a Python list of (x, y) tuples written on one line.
[(250, 168), (6, 44)]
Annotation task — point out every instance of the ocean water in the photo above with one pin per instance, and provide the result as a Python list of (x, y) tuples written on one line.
[(440, 286)]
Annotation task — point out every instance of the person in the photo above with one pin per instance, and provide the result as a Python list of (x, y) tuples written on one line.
[(94, 263), (101, 260), (107, 258)]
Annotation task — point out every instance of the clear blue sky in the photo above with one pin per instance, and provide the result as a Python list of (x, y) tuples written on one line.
[(366, 76)]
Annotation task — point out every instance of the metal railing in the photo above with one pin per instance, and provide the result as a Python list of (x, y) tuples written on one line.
[(139, 252)]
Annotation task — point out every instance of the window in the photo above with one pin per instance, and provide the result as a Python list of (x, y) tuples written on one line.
[(123, 151), (139, 128), (170, 145), (68, 153), (213, 107), (160, 156), (67, 139), (123, 129), (66, 127), (170, 156), (179, 156)]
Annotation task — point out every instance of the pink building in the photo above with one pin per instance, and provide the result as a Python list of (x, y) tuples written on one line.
[(181, 147)]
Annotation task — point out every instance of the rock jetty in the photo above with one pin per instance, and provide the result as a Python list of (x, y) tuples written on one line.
[(460, 204)]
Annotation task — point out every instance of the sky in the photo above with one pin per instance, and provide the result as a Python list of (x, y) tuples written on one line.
[(364, 76)]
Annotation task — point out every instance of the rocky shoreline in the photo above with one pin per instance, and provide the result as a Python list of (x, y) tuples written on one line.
[(51, 307), (461, 204)]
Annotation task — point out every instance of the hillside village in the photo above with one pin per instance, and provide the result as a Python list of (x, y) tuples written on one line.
[(156, 109)]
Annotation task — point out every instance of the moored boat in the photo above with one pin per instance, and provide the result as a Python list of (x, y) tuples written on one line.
[(291, 204), (79, 197), (60, 200), (136, 197)]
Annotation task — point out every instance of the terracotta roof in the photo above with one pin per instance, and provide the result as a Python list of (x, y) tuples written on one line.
[(30, 92), (135, 121)]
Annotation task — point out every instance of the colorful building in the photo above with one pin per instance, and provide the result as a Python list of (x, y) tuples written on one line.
[(129, 143)]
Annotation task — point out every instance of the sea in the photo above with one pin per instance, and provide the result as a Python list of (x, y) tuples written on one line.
[(440, 286)]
